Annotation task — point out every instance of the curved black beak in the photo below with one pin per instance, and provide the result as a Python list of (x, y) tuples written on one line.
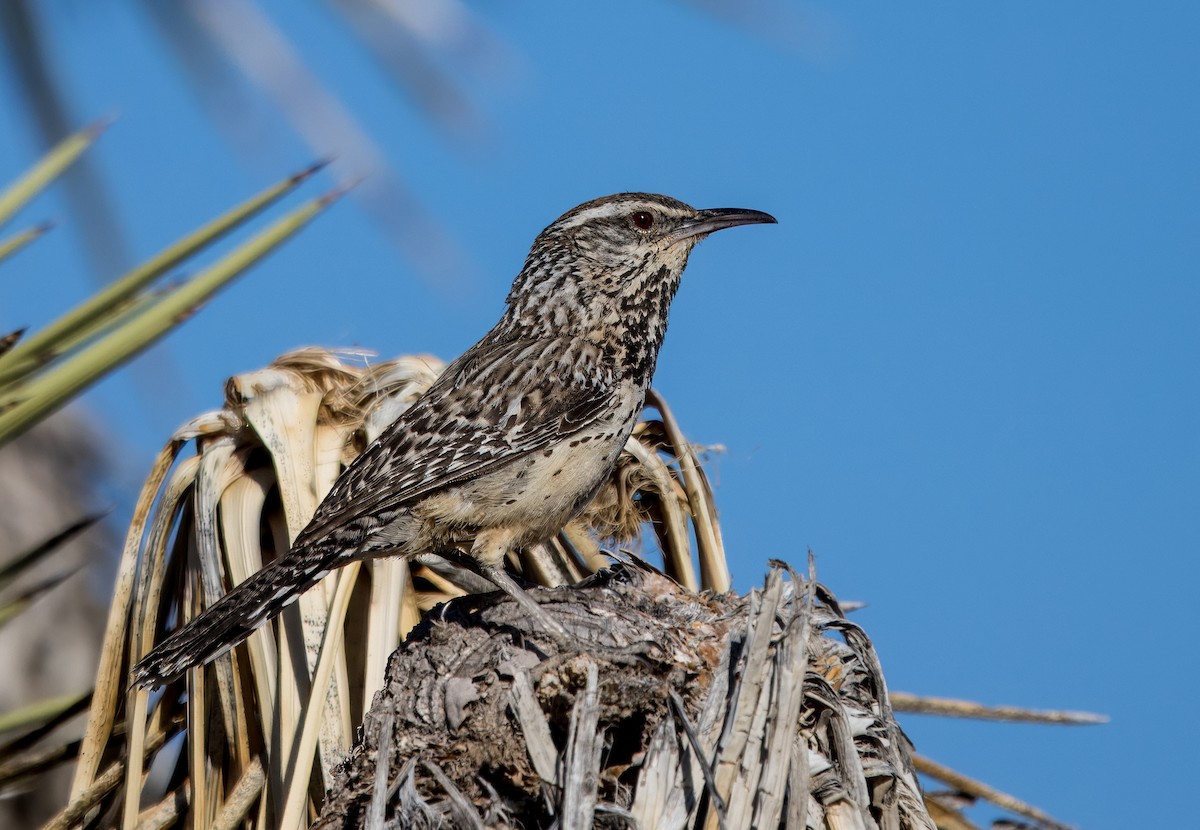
[(716, 219)]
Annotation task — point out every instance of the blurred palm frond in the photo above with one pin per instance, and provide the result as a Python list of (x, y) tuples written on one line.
[(241, 65), (42, 716)]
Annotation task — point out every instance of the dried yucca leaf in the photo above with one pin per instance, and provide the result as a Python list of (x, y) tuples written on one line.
[(769, 710), (289, 699), (679, 711)]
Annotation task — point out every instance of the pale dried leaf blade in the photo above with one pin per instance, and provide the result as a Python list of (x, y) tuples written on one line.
[(790, 661), (956, 708), (751, 680), (375, 814), (581, 757), (538, 741), (980, 790), (660, 776), (300, 763), (714, 569)]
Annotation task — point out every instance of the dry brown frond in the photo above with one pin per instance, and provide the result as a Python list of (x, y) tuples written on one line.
[(680, 712), (686, 706), (289, 700)]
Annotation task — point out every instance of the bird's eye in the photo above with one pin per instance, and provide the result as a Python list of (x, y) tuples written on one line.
[(642, 219)]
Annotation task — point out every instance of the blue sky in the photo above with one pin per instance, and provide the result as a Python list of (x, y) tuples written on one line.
[(962, 369)]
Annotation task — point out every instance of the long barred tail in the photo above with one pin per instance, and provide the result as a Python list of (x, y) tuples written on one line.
[(234, 617)]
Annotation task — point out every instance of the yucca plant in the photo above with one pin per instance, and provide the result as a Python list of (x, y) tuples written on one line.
[(41, 371), (685, 706), (264, 460)]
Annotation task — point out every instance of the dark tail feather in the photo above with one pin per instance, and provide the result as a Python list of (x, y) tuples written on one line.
[(232, 619)]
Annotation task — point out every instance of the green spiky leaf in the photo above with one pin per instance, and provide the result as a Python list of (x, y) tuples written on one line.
[(50, 167), (10, 246), (25, 405), (55, 339)]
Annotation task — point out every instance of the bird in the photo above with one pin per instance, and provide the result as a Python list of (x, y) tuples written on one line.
[(512, 440)]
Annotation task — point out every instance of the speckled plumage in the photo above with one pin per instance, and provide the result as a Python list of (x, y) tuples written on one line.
[(515, 437)]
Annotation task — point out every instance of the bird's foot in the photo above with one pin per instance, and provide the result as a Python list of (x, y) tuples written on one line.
[(548, 625)]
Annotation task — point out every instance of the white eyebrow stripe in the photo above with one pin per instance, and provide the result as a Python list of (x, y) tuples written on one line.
[(605, 211)]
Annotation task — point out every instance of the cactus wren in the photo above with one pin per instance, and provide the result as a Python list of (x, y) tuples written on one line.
[(514, 438)]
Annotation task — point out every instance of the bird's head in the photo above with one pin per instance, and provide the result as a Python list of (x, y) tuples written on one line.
[(611, 266)]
